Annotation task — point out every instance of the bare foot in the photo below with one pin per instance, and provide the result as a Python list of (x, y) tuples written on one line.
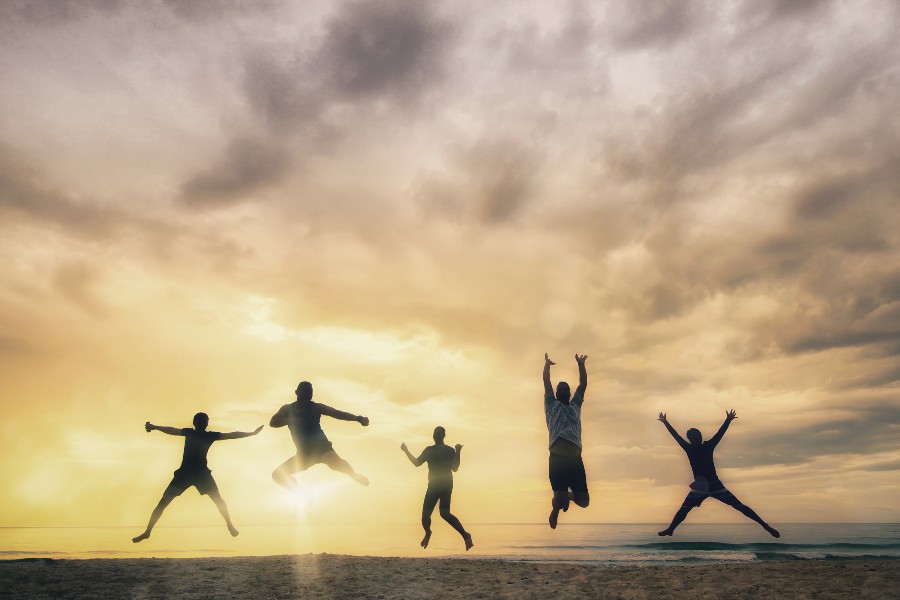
[(141, 537), (554, 517), (234, 532), (361, 479), (469, 542), (772, 531), (426, 539), (665, 532)]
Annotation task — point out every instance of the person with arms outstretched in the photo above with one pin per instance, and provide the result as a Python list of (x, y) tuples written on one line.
[(193, 470), (706, 482), (302, 418), (442, 461), (563, 413)]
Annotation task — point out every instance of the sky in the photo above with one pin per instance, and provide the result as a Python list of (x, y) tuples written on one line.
[(407, 204)]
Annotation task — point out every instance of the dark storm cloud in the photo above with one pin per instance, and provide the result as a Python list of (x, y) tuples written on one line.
[(248, 164), (489, 182), (57, 12), (869, 428), (643, 23), (370, 52), (21, 192)]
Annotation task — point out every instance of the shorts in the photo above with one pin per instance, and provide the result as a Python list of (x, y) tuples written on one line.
[(702, 488), (567, 472), (308, 454), (182, 480), (437, 493)]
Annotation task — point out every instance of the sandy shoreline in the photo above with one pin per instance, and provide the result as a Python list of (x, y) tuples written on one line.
[(337, 576)]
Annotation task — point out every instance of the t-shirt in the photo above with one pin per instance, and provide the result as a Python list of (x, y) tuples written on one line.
[(564, 420), (196, 445), (304, 424), (701, 459), (440, 463)]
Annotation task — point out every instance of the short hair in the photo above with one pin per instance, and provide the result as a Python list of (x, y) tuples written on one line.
[(439, 432), (304, 388), (201, 417)]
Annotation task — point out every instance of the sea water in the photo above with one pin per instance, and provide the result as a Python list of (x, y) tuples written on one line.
[(607, 544)]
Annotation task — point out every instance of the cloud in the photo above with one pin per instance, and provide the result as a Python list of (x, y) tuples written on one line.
[(652, 23), (248, 165)]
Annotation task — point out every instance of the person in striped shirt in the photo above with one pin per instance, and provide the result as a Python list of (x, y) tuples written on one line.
[(563, 413)]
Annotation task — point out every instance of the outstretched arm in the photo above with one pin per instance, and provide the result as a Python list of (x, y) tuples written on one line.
[(341, 415), (730, 415), (170, 430), (280, 419), (582, 374), (548, 387), (455, 466), (235, 435), (681, 441), (417, 462)]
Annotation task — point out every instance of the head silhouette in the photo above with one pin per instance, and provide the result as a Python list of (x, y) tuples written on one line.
[(439, 433), (694, 436), (563, 393), (201, 420), (304, 391)]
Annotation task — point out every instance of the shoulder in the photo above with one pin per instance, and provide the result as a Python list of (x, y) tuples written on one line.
[(214, 435), (549, 398), (186, 431)]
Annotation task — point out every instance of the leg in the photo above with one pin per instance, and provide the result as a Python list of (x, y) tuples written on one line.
[(692, 500), (729, 499), (676, 520), (431, 500), (454, 522), (282, 475), (154, 516), (560, 502), (336, 463), (216, 497), (582, 499)]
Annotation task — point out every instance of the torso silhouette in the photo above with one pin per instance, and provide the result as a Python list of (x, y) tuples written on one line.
[(304, 424), (196, 445), (440, 463), (701, 459)]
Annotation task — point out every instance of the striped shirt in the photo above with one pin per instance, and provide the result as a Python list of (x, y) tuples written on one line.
[(564, 420)]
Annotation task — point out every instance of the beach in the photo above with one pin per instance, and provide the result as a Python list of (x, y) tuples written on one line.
[(321, 576)]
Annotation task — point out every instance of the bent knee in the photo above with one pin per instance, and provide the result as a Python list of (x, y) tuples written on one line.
[(582, 499), (445, 514)]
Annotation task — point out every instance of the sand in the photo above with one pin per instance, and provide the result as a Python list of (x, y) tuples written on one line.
[(336, 576)]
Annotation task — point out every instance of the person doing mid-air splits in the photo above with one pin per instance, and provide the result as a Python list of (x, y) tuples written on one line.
[(302, 419), (563, 414), (706, 482), (442, 462), (193, 470)]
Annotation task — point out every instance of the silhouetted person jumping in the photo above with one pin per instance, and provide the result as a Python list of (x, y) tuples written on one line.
[(706, 482), (442, 462), (563, 414), (302, 419), (193, 470)]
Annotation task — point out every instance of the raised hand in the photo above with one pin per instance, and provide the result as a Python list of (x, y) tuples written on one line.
[(403, 447), (547, 360), (730, 415), (458, 447), (148, 426), (662, 418), (580, 359), (257, 430), (364, 421)]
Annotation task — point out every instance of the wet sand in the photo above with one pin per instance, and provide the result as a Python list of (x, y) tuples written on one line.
[(321, 576)]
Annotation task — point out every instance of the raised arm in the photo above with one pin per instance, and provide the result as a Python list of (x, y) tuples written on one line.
[(280, 419), (170, 430), (681, 441), (548, 387), (455, 466), (582, 374), (730, 415), (417, 462), (235, 435), (341, 415)]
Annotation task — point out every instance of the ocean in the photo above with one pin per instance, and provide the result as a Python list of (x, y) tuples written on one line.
[(606, 544)]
